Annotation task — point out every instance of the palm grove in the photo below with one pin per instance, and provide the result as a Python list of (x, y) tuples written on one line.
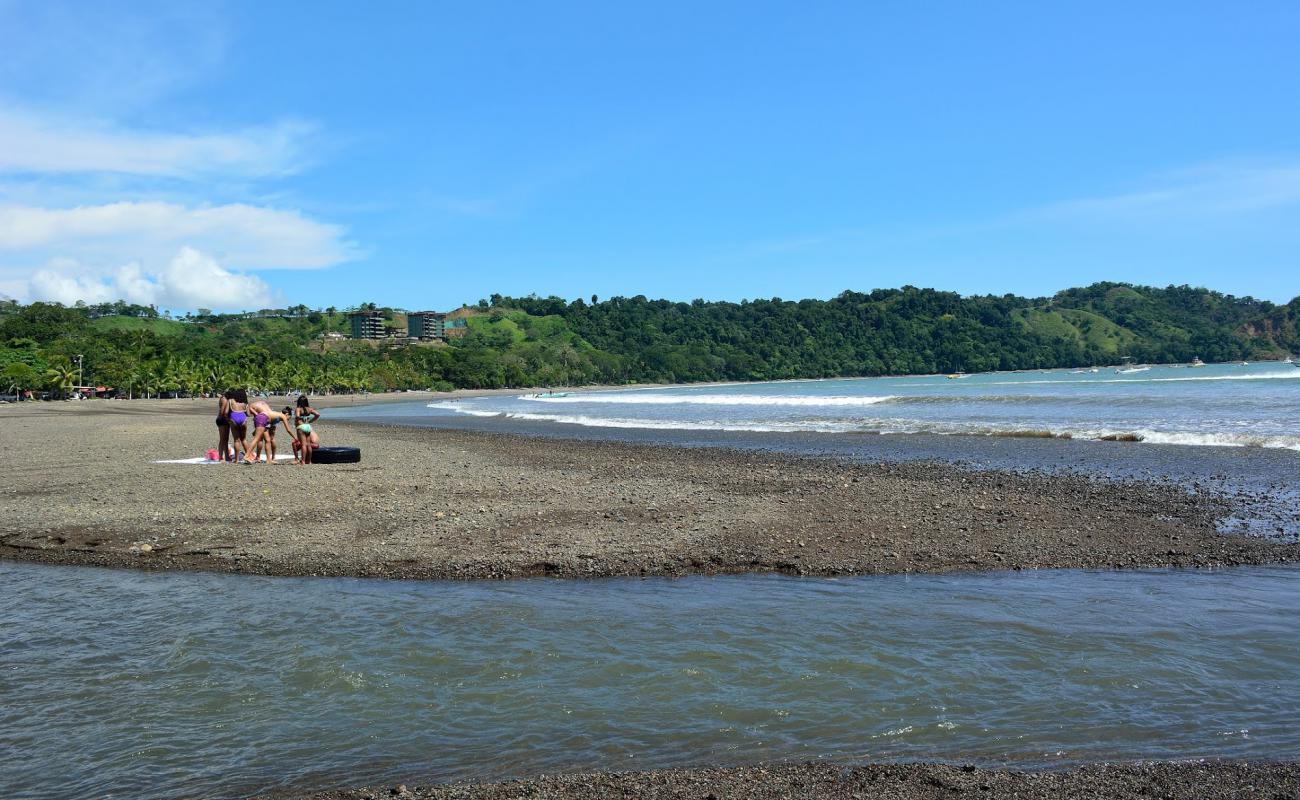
[(533, 341)]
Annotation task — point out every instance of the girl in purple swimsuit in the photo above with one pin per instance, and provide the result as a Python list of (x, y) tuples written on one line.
[(238, 407)]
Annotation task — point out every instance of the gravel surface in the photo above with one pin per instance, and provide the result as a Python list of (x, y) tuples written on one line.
[(1194, 781), (80, 488)]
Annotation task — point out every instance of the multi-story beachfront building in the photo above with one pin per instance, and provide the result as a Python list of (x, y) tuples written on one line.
[(367, 324), (426, 325)]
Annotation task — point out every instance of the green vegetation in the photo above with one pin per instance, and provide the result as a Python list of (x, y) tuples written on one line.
[(533, 341)]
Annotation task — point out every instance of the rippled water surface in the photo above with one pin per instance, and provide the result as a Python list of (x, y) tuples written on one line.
[(126, 684), (1226, 405)]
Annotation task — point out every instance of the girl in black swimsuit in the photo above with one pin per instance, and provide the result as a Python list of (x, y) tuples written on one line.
[(223, 425)]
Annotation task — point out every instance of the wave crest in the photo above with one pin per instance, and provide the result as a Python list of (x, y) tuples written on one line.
[(648, 398)]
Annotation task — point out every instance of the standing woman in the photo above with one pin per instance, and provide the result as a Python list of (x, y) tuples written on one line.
[(238, 407), (307, 439), (223, 425)]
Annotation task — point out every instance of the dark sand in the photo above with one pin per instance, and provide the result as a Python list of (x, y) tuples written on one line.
[(80, 488), (1189, 781)]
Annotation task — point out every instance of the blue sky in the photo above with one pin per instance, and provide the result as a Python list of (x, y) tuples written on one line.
[(236, 155)]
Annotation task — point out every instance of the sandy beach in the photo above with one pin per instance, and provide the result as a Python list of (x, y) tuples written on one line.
[(81, 488)]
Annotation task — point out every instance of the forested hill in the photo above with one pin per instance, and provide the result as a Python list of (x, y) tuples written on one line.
[(536, 341), (910, 330)]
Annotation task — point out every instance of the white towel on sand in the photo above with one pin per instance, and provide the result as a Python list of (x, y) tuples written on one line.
[(203, 460)]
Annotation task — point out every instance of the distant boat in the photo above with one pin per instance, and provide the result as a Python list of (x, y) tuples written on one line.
[(1082, 371), (1131, 370), (1244, 364), (1197, 362), (956, 376)]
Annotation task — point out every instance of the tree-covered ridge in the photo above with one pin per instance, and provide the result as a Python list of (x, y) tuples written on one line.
[(534, 341), (910, 330)]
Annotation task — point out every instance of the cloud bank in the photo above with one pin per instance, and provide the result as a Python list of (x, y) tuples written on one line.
[(251, 236), (190, 279), (83, 231)]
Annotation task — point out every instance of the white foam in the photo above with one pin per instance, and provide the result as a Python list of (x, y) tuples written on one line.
[(1262, 376), (460, 409), (646, 398), (897, 426), (685, 425)]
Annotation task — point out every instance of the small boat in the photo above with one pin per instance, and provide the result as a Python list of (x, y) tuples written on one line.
[(956, 376), (1197, 362), (1131, 370)]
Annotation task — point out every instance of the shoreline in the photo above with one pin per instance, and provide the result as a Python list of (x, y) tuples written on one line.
[(1200, 780), (454, 504)]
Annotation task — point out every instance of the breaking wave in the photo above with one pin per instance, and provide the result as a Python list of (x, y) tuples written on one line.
[(896, 427), (1259, 376), (460, 409), (647, 398)]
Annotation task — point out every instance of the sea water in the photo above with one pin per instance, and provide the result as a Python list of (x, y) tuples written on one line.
[(152, 685), (1233, 405)]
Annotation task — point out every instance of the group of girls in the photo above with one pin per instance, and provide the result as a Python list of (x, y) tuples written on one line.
[(234, 412)]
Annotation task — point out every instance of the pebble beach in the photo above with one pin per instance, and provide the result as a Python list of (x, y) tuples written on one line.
[(83, 486)]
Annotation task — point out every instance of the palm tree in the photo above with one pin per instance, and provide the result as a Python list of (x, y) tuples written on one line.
[(61, 377), (150, 380)]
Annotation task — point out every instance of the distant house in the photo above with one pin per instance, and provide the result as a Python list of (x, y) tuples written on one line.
[(367, 324), (426, 325)]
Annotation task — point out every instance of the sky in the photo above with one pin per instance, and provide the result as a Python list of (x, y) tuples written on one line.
[(241, 155)]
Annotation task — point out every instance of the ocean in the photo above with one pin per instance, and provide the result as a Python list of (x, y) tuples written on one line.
[(1233, 405), (1230, 428)]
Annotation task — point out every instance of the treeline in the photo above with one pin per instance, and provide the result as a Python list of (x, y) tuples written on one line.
[(533, 341), (911, 330)]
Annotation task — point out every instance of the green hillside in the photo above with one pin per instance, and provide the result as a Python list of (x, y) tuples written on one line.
[(161, 327), (534, 341)]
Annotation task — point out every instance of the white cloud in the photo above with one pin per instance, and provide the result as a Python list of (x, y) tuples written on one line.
[(40, 143), (107, 193), (251, 237), (190, 279)]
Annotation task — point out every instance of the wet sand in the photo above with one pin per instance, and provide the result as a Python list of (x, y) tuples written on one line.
[(1183, 781), (80, 488)]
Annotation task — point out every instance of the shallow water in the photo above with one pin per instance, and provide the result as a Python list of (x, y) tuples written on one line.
[(124, 684)]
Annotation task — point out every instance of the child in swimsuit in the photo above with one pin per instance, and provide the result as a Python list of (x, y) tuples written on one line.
[(308, 440), (284, 416), (263, 437), (261, 411), (303, 416)]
